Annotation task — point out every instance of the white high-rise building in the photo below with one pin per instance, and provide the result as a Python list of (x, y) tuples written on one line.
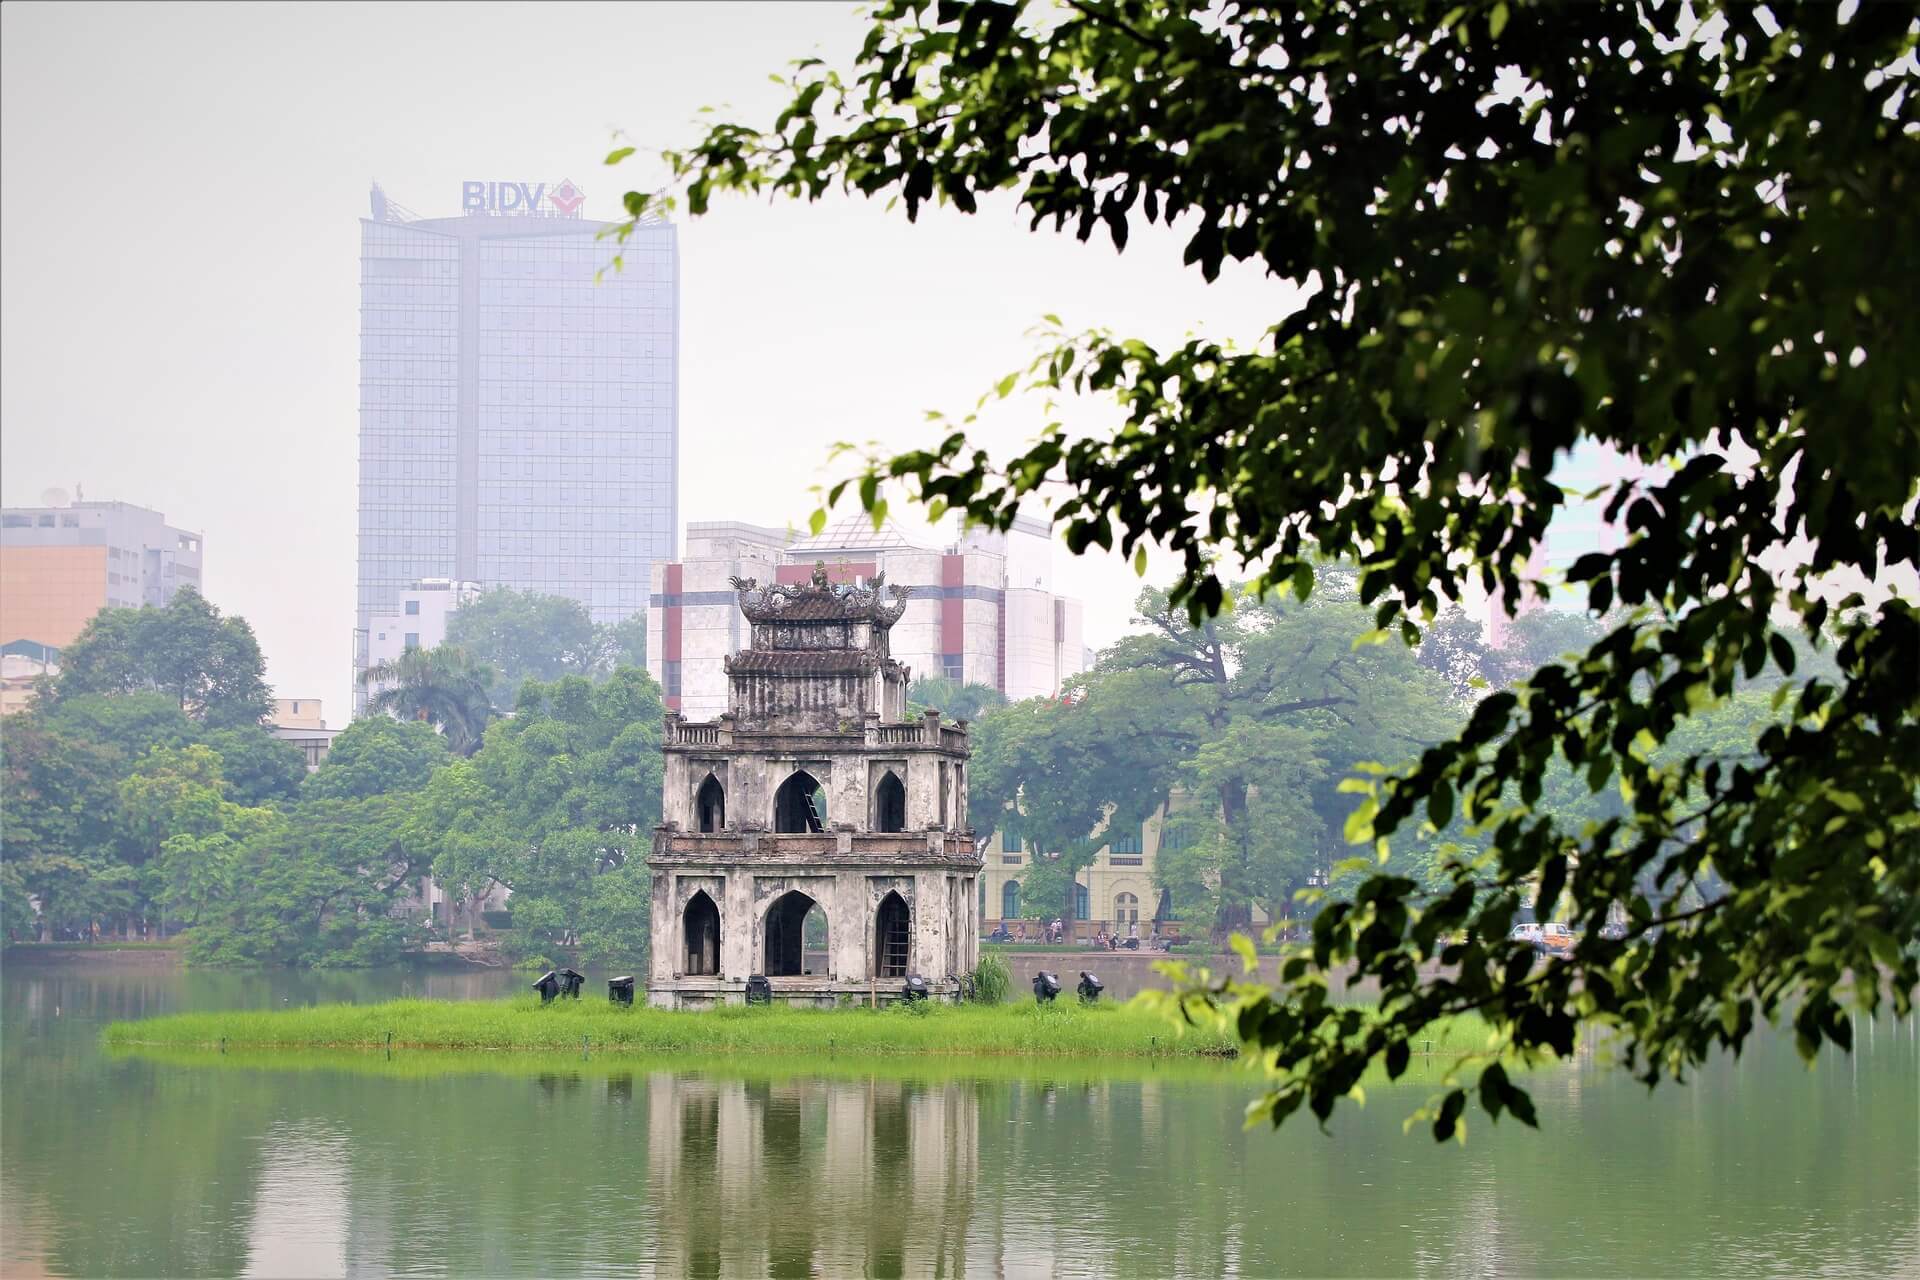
[(519, 421)]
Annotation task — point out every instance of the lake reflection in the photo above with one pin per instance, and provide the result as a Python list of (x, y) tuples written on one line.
[(810, 1177), (365, 1165)]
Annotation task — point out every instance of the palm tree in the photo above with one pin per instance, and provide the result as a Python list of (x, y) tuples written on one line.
[(443, 686), (954, 700)]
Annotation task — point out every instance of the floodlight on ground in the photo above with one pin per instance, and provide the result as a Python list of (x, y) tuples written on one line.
[(620, 990), (548, 985), (916, 988), (759, 990), (1090, 987), (1045, 986), (570, 983)]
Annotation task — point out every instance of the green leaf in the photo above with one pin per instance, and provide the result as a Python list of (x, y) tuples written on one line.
[(1359, 824), (618, 154)]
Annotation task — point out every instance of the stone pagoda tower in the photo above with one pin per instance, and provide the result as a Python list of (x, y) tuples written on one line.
[(813, 793)]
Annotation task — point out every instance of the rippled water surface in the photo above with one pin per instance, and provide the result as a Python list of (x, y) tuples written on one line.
[(332, 1165)]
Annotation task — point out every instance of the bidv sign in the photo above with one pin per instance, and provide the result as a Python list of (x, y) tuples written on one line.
[(521, 199)]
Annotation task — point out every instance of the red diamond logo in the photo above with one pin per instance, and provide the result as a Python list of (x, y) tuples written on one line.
[(566, 197)]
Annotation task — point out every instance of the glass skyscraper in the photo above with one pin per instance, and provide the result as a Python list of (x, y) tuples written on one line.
[(519, 422)]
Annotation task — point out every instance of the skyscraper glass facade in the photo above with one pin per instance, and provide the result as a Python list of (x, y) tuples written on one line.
[(518, 420)]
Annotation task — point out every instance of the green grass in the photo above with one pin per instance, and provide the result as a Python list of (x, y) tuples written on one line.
[(1066, 1029)]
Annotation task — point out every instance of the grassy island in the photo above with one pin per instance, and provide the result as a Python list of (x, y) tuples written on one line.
[(521, 1024)]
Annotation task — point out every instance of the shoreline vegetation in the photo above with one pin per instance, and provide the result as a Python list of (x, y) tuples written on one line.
[(520, 1025)]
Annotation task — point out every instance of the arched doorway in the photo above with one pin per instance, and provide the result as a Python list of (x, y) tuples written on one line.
[(787, 927), (890, 804), (1010, 900), (892, 936), (800, 805), (1126, 910), (710, 805), (700, 927)]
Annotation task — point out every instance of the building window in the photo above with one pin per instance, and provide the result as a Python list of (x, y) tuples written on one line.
[(1009, 842), (413, 639), (1126, 862), (413, 608), (670, 677), (1010, 900), (1126, 909), (1082, 908), (953, 666), (1010, 859), (1129, 843)]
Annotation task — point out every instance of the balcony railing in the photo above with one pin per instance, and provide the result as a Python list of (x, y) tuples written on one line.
[(725, 732)]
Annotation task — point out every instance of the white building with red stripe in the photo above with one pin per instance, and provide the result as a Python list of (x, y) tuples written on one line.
[(981, 611)]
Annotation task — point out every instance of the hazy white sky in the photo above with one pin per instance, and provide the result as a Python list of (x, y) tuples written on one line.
[(179, 215)]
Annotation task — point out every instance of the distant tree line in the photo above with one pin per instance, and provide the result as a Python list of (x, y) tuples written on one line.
[(145, 795)]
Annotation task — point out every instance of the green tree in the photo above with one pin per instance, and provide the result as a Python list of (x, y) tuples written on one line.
[(1063, 776), (624, 643), (178, 821), (1277, 695), (259, 768), (129, 724), (58, 822), (559, 807), (952, 698), (1682, 232), (375, 755), (315, 887), (209, 664), (525, 635), (443, 687)]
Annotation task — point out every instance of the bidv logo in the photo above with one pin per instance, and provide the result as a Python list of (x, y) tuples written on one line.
[(521, 199)]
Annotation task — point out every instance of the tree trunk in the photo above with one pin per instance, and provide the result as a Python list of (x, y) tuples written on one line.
[(1235, 914)]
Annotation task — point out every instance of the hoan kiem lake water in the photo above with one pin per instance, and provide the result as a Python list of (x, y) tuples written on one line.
[(364, 1165)]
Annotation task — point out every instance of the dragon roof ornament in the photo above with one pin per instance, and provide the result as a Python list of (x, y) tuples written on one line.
[(821, 600)]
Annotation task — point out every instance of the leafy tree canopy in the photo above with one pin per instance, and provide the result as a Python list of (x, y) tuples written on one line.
[(525, 635), (624, 643), (209, 664), (558, 806), (1683, 232), (375, 755)]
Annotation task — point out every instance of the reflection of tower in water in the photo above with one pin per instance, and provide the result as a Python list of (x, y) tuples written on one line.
[(810, 1176)]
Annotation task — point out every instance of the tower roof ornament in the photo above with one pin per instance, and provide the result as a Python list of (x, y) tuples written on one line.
[(822, 600)]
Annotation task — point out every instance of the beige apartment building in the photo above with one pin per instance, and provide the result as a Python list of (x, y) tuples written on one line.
[(1115, 893), (63, 562)]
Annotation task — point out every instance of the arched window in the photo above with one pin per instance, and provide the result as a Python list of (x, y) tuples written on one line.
[(1080, 902), (892, 936), (1126, 909), (890, 804), (1010, 900), (710, 806), (800, 804), (786, 934), (983, 897), (700, 927)]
